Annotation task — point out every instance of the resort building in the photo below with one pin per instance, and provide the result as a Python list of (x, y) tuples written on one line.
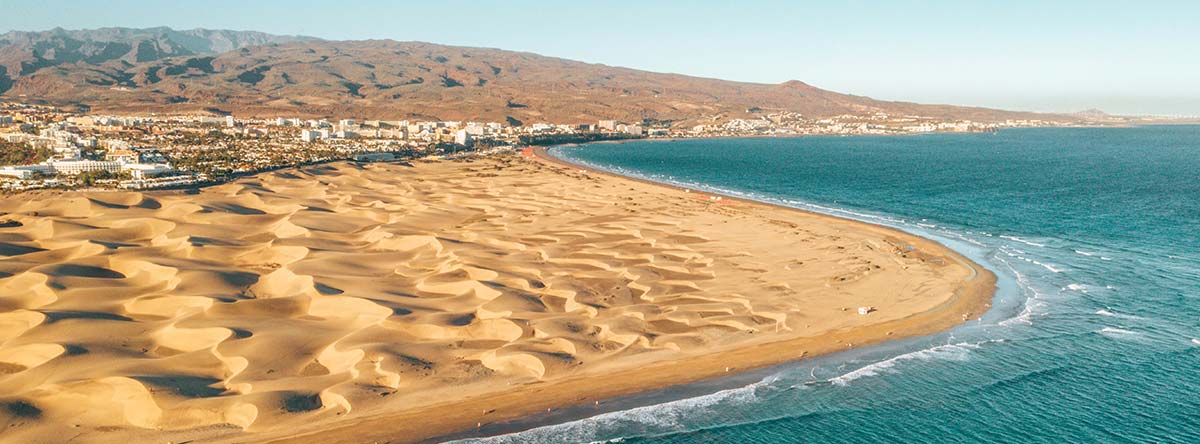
[(76, 167), (24, 172), (462, 137)]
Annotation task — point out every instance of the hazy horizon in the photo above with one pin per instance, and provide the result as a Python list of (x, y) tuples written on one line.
[(1022, 56)]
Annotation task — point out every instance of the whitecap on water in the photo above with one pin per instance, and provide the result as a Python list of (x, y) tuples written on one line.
[(1032, 301), (1105, 312), (1023, 241), (665, 416), (947, 352), (1048, 267), (1117, 333)]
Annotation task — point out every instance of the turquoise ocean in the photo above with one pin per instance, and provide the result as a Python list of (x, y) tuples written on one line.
[(1095, 331)]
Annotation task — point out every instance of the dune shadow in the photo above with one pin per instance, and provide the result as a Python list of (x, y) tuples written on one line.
[(184, 385), (327, 290), (238, 278), (109, 205), (236, 209), (301, 402), (149, 204), (200, 241), (9, 250), (23, 409), (55, 316), (84, 271), (113, 245)]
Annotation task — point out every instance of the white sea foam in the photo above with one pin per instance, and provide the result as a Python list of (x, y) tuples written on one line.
[(1196, 341), (1023, 241), (1117, 333), (665, 416), (1106, 313), (1084, 253), (1033, 298), (1077, 287), (1035, 262), (1021, 318), (947, 352), (1048, 267)]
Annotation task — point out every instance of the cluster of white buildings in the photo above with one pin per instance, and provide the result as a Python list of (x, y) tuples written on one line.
[(460, 133), (76, 166), (67, 158), (428, 132), (618, 127)]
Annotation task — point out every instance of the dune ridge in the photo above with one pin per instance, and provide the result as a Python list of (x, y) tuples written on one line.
[(287, 303)]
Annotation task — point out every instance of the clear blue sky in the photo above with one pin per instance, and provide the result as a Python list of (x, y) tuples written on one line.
[(1121, 56)]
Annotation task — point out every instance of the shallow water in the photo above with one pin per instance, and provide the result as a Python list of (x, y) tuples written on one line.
[(1095, 334)]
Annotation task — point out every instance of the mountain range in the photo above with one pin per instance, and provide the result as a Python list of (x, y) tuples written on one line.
[(256, 74)]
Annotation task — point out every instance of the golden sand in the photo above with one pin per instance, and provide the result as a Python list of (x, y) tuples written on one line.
[(354, 303)]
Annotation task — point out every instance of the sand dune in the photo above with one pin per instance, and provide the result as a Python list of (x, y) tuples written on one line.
[(386, 301)]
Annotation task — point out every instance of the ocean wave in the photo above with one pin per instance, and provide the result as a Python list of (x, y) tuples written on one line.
[(1076, 287), (961, 237), (1023, 241), (947, 352), (1117, 333), (1084, 253), (1048, 267), (1196, 341), (1106, 313), (1024, 317), (1032, 297), (663, 417)]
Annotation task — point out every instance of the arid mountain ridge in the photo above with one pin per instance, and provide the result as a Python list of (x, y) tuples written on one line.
[(161, 70)]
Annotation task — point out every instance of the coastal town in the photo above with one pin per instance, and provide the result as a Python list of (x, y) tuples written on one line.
[(45, 147)]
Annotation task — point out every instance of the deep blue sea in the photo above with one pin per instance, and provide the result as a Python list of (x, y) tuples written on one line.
[(1095, 331)]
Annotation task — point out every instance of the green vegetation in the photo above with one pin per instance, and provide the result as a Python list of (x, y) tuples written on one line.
[(91, 178), (559, 139), (22, 154)]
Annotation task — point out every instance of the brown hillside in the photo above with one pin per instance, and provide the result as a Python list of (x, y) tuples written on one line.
[(397, 80)]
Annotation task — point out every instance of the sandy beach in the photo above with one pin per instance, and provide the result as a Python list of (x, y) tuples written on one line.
[(389, 302)]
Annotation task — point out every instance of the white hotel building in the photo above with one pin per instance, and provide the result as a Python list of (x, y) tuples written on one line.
[(75, 167)]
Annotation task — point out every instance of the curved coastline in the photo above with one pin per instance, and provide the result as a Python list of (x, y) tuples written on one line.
[(580, 396), (962, 290), (973, 298)]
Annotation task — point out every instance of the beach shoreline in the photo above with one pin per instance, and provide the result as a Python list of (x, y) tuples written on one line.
[(960, 290), (972, 302)]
